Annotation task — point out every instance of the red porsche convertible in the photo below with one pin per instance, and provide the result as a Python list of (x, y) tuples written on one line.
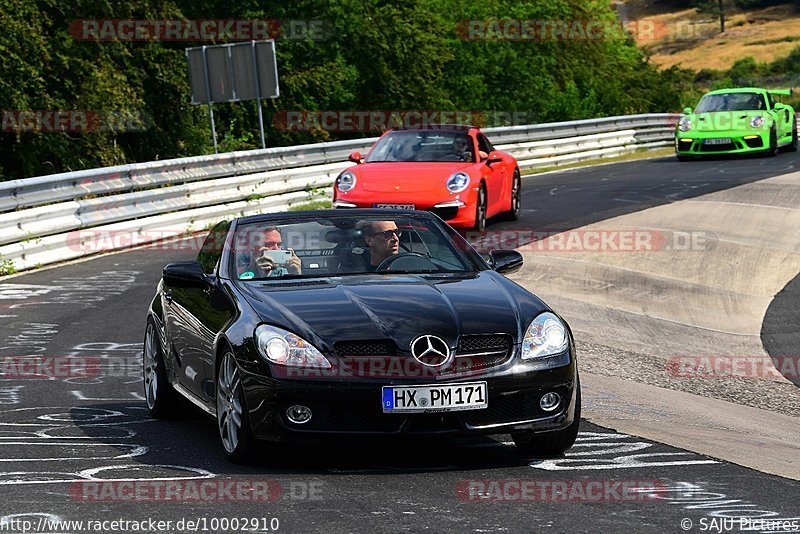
[(453, 171)]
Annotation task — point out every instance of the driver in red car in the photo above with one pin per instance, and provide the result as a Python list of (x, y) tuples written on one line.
[(383, 240), (461, 148)]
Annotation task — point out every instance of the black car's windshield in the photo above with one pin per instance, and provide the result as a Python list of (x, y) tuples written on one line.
[(423, 146), (731, 102), (342, 246)]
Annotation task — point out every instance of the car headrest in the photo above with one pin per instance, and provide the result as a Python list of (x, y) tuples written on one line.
[(343, 237)]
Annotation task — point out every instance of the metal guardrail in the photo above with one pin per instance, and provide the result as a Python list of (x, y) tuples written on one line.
[(45, 219)]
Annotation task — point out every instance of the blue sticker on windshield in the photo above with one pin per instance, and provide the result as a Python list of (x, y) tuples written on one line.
[(247, 275)]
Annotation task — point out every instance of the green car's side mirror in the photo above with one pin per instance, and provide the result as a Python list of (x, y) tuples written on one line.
[(687, 111)]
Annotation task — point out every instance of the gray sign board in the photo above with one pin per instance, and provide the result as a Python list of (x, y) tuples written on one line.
[(233, 72)]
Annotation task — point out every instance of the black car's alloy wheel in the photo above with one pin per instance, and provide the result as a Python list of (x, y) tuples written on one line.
[(157, 391), (234, 428), (551, 443), (480, 210)]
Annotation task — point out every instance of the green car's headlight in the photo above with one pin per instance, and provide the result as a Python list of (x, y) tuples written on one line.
[(685, 124), (757, 121), (546, 336)]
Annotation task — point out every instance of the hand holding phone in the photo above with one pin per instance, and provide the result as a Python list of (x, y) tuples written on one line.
[(278, 257), (284, 258)]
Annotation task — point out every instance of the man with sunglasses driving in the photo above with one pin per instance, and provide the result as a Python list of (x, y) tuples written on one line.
[(383, 240)]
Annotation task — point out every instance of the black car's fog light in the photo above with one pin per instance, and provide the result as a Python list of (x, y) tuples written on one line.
[(299, 414), (549, 401)]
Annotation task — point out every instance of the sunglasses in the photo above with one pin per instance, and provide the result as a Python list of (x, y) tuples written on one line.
[(387, 234)]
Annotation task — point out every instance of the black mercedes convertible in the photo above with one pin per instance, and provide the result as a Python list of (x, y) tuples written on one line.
[(291, 326)]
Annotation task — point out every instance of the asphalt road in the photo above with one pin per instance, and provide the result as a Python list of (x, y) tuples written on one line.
[(61, 438)]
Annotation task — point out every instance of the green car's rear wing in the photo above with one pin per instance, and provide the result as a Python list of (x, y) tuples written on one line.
[(780, 92)]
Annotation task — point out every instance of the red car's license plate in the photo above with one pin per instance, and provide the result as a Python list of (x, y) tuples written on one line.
[(394, 206)]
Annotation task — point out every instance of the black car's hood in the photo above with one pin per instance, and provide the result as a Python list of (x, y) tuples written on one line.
[(394, 306)]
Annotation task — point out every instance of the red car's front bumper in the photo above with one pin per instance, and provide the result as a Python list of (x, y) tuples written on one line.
[(457, 210)]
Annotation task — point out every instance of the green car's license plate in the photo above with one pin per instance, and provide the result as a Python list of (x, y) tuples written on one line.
[(717, 141)]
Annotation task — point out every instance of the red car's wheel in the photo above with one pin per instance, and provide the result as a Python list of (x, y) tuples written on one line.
[(480, 210), (516, 198)]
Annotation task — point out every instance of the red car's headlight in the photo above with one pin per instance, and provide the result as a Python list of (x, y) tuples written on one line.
[(346, 182), (458, 182)]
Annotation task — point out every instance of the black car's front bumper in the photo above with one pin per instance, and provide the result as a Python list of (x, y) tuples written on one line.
[(354, 407)]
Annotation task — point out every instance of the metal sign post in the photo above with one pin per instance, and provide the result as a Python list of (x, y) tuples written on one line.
[(210, 104), (258, 95)]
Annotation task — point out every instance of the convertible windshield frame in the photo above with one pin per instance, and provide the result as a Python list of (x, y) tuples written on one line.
[(456, 245)]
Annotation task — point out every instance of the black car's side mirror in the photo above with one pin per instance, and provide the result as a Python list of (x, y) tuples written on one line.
[(505, 261), (185, 274)]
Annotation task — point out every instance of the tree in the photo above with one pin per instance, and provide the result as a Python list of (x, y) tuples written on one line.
[(715, 8)]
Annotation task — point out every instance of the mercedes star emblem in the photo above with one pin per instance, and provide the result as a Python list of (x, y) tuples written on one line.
[(430, 351)]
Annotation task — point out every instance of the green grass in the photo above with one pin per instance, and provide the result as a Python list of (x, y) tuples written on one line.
[(7, 267), (321, 204), (787, 39)]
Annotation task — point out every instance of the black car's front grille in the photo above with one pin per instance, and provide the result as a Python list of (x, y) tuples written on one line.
[(377, 347), (381, 357), (476, 352), (483, 343)]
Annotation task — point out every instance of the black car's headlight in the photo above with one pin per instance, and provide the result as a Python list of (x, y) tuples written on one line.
[(546, 336), (285, 348)]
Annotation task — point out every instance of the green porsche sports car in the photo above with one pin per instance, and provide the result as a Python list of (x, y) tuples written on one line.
[(736, 121)]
